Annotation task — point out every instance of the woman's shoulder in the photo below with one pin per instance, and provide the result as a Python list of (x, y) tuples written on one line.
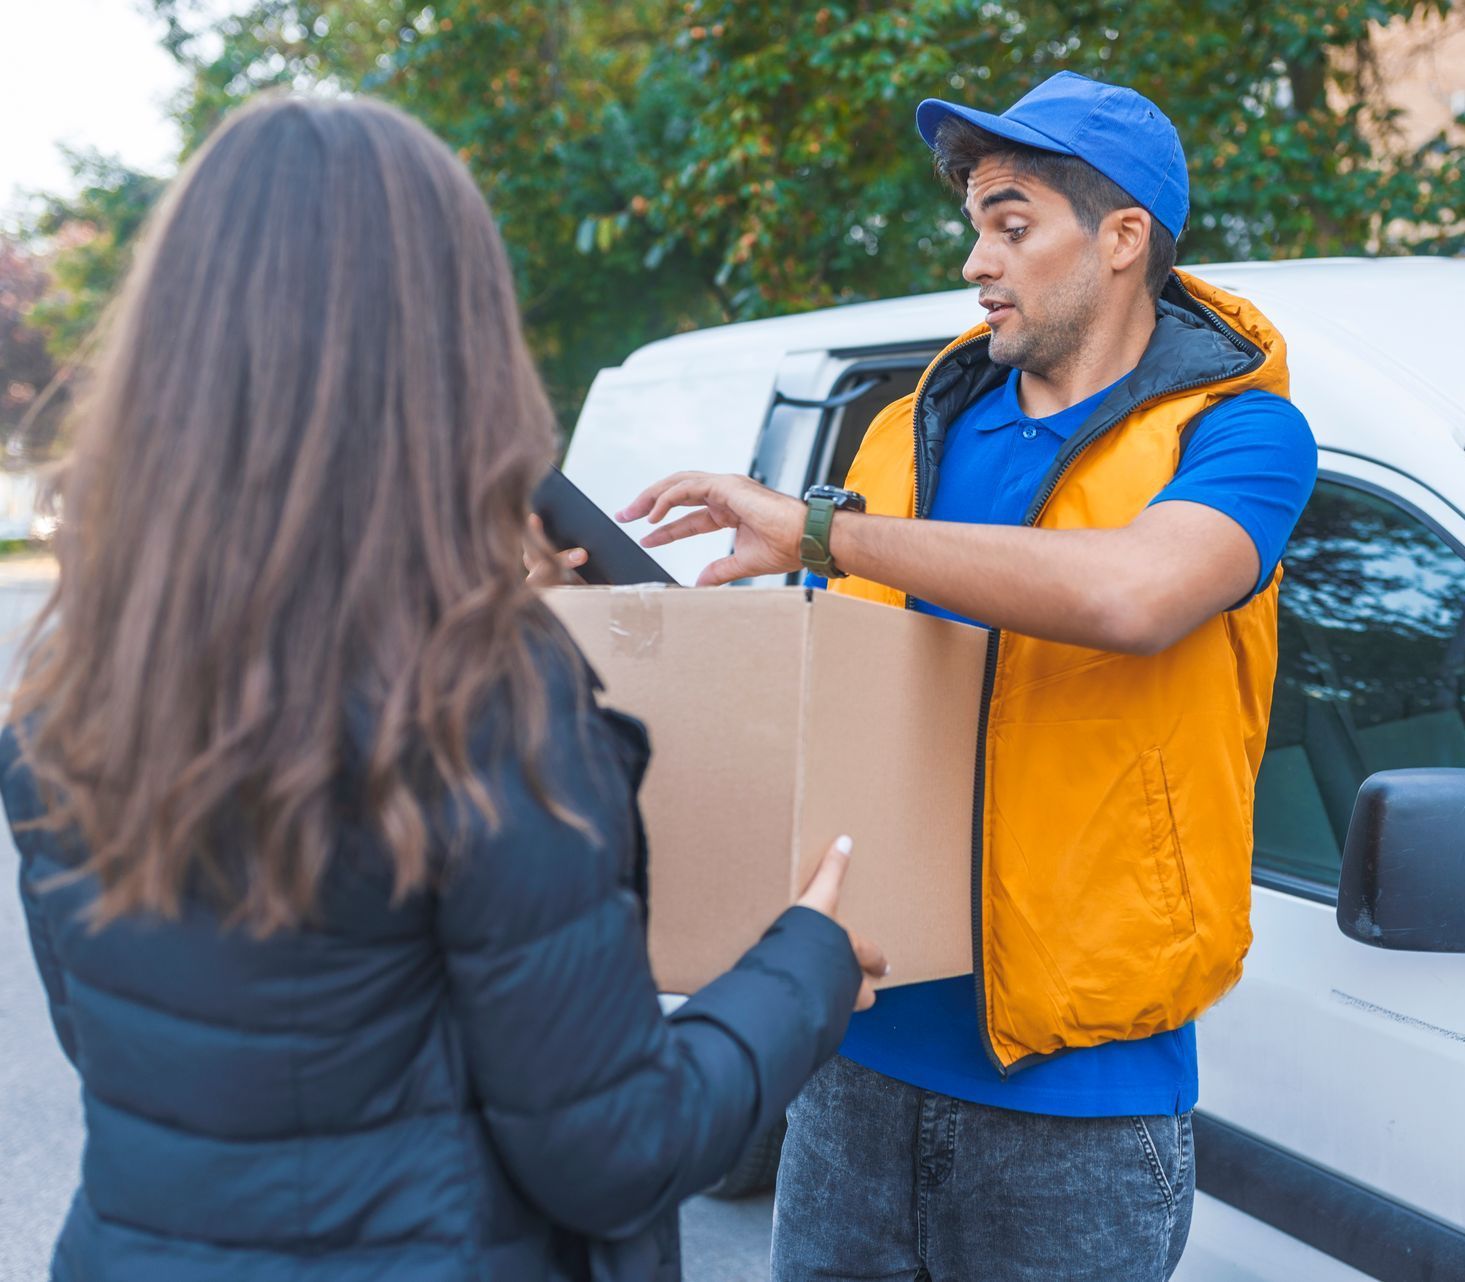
[(576, 705), (563, 836)]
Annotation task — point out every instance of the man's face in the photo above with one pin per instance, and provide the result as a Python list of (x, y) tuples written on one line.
[(1037, 268)]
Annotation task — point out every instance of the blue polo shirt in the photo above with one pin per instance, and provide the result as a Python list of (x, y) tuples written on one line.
[(1253, 458)]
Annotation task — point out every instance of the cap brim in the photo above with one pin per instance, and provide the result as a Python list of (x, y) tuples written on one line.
[(933, 111)]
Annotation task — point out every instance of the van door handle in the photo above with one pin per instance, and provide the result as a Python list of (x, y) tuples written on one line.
[(833, 402)]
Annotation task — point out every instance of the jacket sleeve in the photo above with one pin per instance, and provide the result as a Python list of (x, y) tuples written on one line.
[(17, 789), (22, 805), (604, 1112), (46, 963)]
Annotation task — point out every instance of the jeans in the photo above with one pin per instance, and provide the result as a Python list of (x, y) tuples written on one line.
[(882, 1180)]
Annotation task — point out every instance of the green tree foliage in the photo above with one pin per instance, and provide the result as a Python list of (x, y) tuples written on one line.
[(56, 279), (549, 105), (91, 236), (1292, 145), (26, 368), (660, 164)]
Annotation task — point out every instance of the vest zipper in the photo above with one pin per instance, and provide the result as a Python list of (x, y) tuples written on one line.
[(994, 639), (979, 851), (916, 422)]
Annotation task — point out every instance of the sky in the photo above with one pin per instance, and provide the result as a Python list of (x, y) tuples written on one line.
[(89, 73)]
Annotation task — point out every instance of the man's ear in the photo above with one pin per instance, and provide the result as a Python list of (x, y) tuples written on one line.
[(1126, 236)]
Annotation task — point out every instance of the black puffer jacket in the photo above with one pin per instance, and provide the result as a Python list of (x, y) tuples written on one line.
[(475, 1084)]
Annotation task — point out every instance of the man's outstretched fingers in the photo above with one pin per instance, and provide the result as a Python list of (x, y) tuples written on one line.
[(687, 493), (684, 527), (642, 503)]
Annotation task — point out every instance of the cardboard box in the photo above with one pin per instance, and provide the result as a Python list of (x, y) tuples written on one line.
[(780, 718)]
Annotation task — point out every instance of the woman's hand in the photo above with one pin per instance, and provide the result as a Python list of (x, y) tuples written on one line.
[(822, 895), (551, 571)]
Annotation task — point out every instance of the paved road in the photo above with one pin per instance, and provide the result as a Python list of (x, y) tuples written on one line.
[(40, 1119), (40, 1127)]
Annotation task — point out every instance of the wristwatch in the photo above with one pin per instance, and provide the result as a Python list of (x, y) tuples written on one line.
[(824, 501)]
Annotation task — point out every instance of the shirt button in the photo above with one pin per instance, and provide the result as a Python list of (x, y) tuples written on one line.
[(1029, 431)]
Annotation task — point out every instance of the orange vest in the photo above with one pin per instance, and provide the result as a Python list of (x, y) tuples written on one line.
[(1111, 861)]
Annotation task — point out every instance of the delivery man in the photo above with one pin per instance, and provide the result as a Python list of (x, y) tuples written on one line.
[(1104, 473)]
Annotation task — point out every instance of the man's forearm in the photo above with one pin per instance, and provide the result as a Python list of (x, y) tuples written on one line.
[(1134, 589), (1063, 585)]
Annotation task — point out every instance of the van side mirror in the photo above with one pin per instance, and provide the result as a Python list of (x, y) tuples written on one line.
[(1403, 879)]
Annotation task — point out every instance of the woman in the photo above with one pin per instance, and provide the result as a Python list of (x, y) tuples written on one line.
[(328, 855)]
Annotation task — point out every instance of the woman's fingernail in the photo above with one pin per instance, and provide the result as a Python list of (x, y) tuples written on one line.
[(844, 844), (576, 557), (886, 971)]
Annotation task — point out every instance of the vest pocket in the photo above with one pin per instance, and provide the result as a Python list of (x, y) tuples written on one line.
[(1165, 843)]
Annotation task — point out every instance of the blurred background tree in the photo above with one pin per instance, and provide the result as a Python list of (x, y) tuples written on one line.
[(90, 236), (658, 165), (27, 371), (56, 279)]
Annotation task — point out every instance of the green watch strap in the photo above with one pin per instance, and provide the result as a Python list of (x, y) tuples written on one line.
[(814, 546)]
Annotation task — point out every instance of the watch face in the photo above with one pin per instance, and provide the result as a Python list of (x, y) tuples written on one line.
[(840, 498)]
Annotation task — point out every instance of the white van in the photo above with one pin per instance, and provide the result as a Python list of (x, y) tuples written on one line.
[(1330, 1140)]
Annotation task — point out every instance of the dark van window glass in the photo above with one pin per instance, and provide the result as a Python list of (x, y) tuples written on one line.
[(857, 416), (1370, 673)]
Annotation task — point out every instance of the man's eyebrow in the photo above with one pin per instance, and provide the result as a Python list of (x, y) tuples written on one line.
[(998, 197), (1004, 193)]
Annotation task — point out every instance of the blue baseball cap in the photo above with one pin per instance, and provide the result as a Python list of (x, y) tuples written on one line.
[(1119, 132)]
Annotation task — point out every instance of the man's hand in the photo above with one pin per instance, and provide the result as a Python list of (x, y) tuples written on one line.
[(1134, 589), (769, 525)]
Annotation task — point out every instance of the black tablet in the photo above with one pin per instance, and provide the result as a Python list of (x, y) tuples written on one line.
[(572, 521)]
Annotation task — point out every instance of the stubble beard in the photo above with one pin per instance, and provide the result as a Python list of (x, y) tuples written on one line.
[(1044, 347)]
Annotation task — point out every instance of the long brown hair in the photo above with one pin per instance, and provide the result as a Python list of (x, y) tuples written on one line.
[(297, 494)]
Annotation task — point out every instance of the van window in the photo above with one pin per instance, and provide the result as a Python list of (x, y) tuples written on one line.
[(1370, 674), (848, 425)]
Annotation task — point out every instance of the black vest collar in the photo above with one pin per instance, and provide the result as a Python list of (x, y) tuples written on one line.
[(1190, 347)]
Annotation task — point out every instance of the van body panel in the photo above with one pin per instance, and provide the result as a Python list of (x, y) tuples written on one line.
[(640, 425)]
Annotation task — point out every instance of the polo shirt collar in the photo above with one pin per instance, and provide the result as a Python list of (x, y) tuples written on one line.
[(1007, 410)]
